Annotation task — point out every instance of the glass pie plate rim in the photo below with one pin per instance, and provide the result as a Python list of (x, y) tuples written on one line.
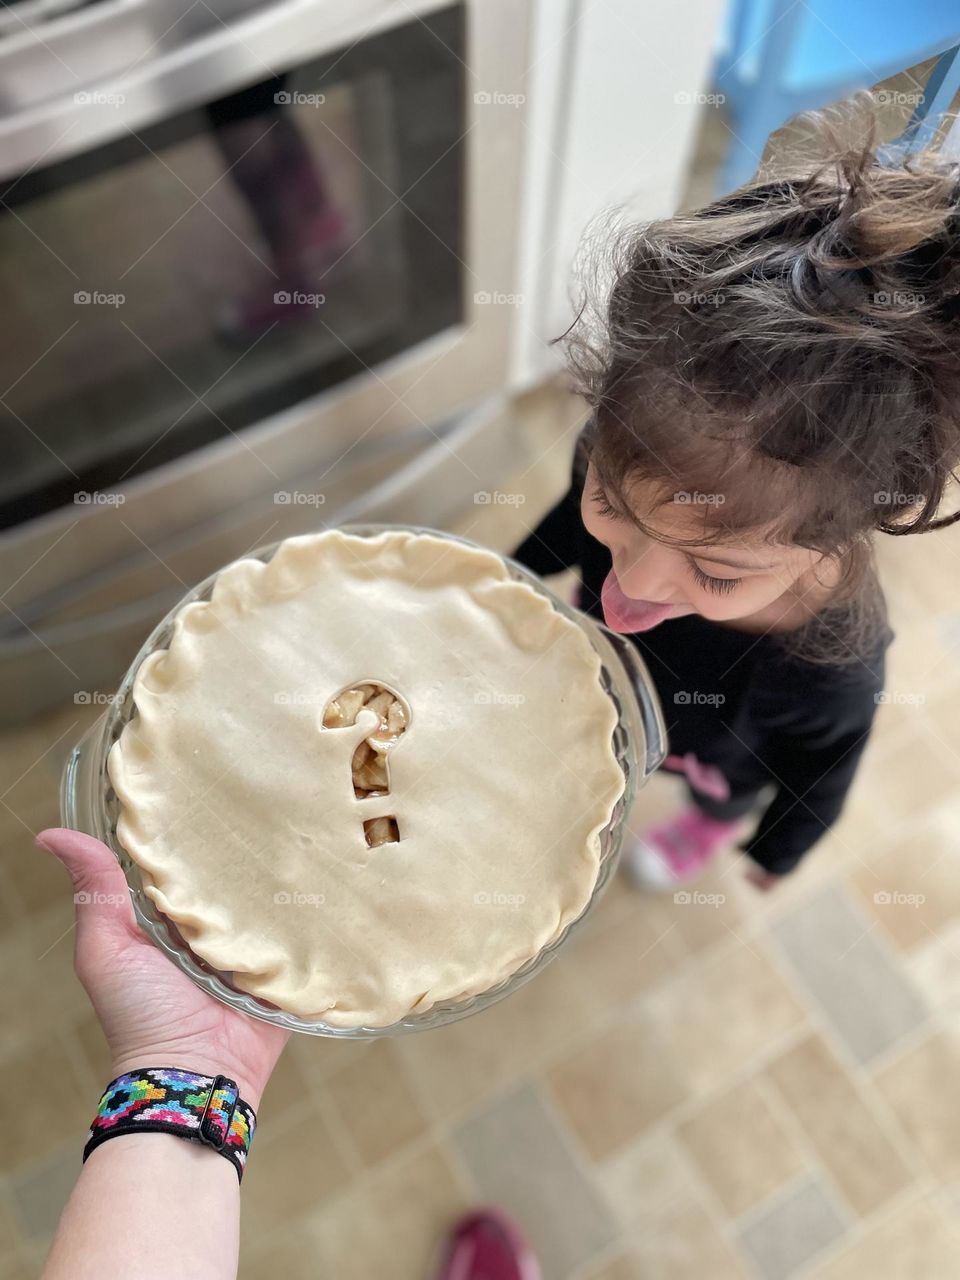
[(89, 804)]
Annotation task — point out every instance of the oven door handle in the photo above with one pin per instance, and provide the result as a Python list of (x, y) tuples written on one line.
[(109, 69)]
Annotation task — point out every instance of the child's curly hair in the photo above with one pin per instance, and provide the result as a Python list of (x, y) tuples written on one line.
[(791, 354)]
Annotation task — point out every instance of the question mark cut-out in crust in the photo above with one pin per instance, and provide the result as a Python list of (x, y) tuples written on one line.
[(369, 767)]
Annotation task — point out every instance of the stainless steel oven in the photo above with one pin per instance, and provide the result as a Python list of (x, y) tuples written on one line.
[(248, 252)]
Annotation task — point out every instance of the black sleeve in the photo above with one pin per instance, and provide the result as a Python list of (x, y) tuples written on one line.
[(813, 751), (556, 543), (814, 775)]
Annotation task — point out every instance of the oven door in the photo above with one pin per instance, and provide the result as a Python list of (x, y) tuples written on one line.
[(249, 250)]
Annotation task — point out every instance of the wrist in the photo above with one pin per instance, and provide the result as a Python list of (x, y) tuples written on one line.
[(189, 1104), (164, 1152)]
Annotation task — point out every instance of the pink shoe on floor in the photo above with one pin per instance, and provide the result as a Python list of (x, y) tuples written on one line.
[(487, 1245), (676, 851)]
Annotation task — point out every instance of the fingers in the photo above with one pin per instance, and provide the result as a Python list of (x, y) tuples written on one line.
[(99, 888)]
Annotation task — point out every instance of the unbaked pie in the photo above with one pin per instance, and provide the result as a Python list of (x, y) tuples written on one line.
[(368, 775)]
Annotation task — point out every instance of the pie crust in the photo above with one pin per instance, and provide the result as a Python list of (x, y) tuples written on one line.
[(237, 804)]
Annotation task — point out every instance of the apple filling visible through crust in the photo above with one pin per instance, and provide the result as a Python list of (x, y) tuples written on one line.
[(369, 765)]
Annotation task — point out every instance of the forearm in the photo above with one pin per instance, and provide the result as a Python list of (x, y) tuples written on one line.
[(149, 1206)]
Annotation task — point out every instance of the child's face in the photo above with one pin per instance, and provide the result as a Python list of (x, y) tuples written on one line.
[(652, 580)]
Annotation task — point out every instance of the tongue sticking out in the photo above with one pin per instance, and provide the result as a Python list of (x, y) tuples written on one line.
[(625, 615)]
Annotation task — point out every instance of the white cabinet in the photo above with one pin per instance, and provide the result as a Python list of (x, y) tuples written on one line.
[(615, 89)]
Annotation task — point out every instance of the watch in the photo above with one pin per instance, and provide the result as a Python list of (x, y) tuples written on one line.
[(201, 1108)]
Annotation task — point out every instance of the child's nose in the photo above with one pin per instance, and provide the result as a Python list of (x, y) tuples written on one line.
[(648, 576)]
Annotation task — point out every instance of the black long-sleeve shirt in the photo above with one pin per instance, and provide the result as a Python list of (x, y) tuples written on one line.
[(738, 700)]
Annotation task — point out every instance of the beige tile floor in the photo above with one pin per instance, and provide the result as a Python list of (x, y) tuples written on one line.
[(740, 1086)]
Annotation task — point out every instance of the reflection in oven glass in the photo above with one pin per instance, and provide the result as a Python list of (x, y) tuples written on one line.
[(188, 280)]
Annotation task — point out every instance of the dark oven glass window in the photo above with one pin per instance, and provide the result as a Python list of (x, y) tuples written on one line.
[(186, 280)]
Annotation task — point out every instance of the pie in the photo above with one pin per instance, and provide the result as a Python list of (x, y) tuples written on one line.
[(368, 775)]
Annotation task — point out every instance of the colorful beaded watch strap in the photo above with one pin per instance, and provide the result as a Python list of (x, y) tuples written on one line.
[(207, 1109)]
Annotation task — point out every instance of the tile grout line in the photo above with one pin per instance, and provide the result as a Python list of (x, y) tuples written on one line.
[(860, 1229), (709, 1200), (586, 1168), (790, 1122), (858, 1074)]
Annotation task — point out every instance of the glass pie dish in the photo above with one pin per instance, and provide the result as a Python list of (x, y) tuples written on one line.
[(90, 804)]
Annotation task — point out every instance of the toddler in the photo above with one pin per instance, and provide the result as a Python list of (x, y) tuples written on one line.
[(777, 377)]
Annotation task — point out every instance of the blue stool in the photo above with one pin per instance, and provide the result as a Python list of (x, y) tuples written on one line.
[(784, 56)]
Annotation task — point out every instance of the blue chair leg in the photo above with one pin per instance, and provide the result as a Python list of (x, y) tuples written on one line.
[(939, 92), (754, 106)]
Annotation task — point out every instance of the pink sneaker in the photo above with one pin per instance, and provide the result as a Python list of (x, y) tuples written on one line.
[(677, 850), (487, 1245)]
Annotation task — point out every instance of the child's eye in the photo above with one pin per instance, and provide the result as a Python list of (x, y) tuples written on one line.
[(603, 504), (718, 585)]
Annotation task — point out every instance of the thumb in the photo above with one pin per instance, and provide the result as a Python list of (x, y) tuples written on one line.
[(100, 892)]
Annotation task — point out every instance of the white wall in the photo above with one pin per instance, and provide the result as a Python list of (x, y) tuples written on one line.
[(606, 126)]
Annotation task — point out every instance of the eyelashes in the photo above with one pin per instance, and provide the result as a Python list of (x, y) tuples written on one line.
[(603, 504), (719, 586)]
